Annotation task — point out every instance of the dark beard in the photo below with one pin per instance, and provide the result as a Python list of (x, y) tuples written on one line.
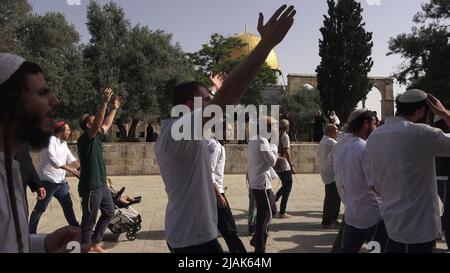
[(32, 133)]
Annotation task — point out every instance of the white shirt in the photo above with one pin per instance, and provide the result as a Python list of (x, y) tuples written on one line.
[(353, 180), (261, 157), (217, 159), (282, 164), (402, 157), (8, 241), (191, 213), (326, 163), (52, 159)]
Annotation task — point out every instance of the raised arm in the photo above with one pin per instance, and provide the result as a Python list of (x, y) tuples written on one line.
[(240, 78), (110, 118), (438, 109), (98, 121)]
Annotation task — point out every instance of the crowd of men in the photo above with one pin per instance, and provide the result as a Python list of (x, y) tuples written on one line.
[(385, 177)]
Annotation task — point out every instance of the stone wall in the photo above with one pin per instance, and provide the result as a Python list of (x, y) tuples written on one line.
[(139, 158)]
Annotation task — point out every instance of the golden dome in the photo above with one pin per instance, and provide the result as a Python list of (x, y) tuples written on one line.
[(251, 41)]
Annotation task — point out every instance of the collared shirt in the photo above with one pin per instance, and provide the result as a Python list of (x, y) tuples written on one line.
[(353, 180), (402, 155), (53, 158), (8, 241), (326, 163), (261, 158), (191, 212), (217, 159)]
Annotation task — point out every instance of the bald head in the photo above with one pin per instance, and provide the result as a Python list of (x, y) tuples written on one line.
[(331, 131)]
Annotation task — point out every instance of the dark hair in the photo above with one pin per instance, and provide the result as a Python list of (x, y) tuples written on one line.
[(186, 91), (356, 125), (83, 124), (409, 109), (11, 93)]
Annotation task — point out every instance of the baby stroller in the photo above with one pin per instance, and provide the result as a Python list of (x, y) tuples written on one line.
[(126, 219)]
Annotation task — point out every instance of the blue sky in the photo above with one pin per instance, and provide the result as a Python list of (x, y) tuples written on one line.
[(193, 21)]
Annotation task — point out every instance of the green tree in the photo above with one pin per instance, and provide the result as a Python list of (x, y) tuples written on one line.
[(139, 64), (78, 96), (53, 43), (49, 40), (345, 50), (302, 106), (214, 58), (426, 51), (13, 22)]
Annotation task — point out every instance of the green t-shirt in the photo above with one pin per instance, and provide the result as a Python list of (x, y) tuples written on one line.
[(93, 169)]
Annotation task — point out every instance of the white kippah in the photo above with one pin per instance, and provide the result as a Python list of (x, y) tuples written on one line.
[(412, 96), (355, 114), (9, 63)]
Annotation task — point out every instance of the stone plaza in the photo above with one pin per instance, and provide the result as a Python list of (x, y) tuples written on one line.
[(300, 234)]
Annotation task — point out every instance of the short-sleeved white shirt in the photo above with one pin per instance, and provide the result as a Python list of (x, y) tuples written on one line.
[(353, 180), (402, 156), (326, 163), (191, 213)]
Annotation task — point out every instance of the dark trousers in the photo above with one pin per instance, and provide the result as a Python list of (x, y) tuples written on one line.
[(227, 228), (331, 204), (61, 191), (265, 210), (285, 190), (91, 203), (251, 212), (209, 247), (338, 241), (443, 190), (353, 238), (396, 247)]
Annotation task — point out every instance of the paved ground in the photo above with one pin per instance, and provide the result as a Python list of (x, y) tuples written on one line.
[(301, 234)]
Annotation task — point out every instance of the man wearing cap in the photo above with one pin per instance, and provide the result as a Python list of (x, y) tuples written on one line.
[(402, 156), (363, 221), (26, 106), (55, 160), (93, 188), (191, 213), (442, 177), (262, 156)]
